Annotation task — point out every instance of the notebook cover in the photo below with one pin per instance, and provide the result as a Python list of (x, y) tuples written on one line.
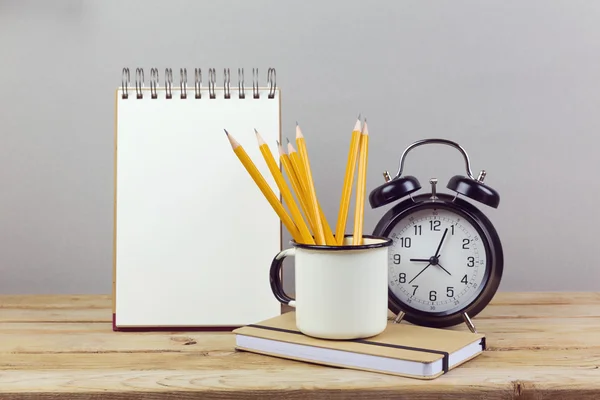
[(399, 341)]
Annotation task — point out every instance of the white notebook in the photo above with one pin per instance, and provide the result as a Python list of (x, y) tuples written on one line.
[(193, 237)]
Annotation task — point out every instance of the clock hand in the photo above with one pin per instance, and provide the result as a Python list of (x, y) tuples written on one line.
[(420, 259), (437, 252), (419, 273), (440, 265)]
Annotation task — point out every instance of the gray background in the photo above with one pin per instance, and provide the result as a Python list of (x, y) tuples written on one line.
[(516, 83)]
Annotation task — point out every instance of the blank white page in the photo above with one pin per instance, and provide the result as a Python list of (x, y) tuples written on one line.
[(194, 235)]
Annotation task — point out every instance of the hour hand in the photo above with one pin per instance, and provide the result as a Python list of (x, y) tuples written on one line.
[(420, 259)]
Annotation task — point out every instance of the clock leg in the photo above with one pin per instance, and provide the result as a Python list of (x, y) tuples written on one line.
[(399, 317), (469, 323)]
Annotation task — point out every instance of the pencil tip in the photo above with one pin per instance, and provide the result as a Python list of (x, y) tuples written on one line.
[(296, 123), (277, 142), (255, 131), (227, 133), (288, 139), (358, 116)]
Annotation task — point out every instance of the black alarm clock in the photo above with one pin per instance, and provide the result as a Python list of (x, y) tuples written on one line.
[(446, 260)]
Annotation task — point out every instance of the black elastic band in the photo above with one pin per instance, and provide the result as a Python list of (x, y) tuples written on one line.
[(445, 354)]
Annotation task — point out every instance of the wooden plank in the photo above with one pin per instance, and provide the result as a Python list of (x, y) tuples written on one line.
[(223, 359), (63, 314), (496, 311), (300, 383), (97, 308), (289, 383), (56, 308), (77, 315), (105, 301), (505, 334), (40, 302), (532, 298)]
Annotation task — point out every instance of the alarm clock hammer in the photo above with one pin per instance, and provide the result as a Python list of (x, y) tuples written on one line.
[(464, 272)]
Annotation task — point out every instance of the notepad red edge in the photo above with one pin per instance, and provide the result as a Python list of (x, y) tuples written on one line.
[(169, 328)]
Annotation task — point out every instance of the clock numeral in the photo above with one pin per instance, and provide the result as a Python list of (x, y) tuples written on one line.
[(416, 287), (432, 308), (456, 302), (470, 261), (402, 277), (450, 291), (397, 258), (417, 229), (474, 286), (405, 242), (464, 279), (475, 238), (466, 244), (452, 229), (432, 295), (435, 225)]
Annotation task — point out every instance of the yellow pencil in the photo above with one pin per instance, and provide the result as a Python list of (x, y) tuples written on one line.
[(299, 169), (264, 188), (361, 186), (310, 186), (283, 188), (348, 181), (296, 184)]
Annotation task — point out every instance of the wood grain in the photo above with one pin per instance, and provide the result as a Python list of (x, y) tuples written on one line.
[(541, 346)]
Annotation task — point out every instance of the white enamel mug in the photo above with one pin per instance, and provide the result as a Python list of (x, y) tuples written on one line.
[(341, 291)]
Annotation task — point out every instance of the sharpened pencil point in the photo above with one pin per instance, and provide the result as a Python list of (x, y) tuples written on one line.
[(288, 140), (277, 141), (296, 123), (358, 116), (227, 133), (255, 131)]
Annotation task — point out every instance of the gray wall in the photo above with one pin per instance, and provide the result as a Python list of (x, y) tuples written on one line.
[(516, 83)]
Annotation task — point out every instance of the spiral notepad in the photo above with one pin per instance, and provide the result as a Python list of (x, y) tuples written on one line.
[(193, 236)]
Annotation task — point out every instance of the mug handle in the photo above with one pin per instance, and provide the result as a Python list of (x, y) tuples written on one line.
[(276, 285)]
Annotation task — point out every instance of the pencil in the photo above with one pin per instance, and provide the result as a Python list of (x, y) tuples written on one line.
[(298, 169), (361, 186), (285, 191), (310, 186), (348, 181), (264, 187), (296, 185)]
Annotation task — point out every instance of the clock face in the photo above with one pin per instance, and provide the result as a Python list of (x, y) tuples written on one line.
[(437, 263)]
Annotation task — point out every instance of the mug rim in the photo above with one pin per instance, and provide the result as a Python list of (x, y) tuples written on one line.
[(385, 242)]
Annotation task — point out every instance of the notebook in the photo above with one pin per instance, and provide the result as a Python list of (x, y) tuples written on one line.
[(193, 235), (402, 349)]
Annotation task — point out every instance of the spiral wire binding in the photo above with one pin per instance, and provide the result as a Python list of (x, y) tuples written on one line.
[(255, 83), (212, 78), (169, 82), (241, 88), (139, 82), (198, 82), (183, 82), (125, 83), (153, 82)]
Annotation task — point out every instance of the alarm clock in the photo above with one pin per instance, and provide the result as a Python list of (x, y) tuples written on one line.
[(446, 260)]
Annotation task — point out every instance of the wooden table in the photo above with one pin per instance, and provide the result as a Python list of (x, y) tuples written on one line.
[(541, 346)]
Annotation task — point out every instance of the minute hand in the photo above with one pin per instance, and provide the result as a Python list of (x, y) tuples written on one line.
[(437, 252)]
